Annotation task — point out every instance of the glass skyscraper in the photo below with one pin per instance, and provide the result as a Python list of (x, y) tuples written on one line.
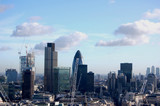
[(61, 80), (79, 56)]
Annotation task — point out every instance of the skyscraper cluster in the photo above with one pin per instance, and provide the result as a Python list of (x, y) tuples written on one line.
[(153, 70), (85, 80), (56, 79)]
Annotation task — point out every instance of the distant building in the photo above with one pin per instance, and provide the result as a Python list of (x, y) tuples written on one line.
[(147, 71), (51, 62), (3, 78), (153, 69), (27, 60), (151, 79), (79, 57), (133, 85), (127, 70), (112, 81), (157, 71), (11, 75), (61, 80), (90, 82), (121, 82), (28, 84), (82, 78)]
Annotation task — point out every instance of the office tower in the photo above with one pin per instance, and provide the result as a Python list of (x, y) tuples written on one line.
[(147, 71), (157, 71), (29, 60), (79, 57), (50, 62), (90, 82), (112, 78), (11, 91), (119, 72), (127, 70), (153, 69), (121, 80), (82, 78), (151, 79), (61, 80), (133, 87), (11, 75), (28, 84)]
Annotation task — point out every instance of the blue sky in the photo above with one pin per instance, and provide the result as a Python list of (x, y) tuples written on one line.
[(107, 32)]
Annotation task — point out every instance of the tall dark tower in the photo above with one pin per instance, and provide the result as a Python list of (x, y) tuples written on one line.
[(90, 82), (28, 84), (82, 78), (51, 61), (126, 69)]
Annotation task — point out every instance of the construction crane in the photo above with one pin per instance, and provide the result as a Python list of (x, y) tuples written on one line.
[(74, 81)]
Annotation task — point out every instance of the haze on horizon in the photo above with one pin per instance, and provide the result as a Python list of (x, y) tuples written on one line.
[(107, 32)]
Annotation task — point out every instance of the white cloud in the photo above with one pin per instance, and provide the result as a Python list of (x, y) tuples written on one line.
[(34, 18), (5, 48), (4, 7), (155, 14), (64, 42), (31, 29), (112, 1), (134, 33), (40, 46)]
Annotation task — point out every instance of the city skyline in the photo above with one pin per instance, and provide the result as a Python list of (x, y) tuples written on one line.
[(107, 32)]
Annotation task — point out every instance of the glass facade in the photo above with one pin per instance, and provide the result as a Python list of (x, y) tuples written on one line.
[(61, 79), (79, 56)]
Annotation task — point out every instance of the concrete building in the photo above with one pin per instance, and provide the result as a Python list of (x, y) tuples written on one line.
[(50, 62), (28, 84), (11, 75)]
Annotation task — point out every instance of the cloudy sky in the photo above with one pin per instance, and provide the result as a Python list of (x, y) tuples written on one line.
[(107, 32)]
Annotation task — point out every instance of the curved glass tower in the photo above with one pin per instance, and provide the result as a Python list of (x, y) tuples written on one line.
[(77, 55)]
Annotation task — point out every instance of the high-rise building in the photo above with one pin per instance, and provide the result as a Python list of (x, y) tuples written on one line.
[(157, 71), (147, 71), (112, 78), (27, 60), (121, 82), (127, 70), (61, 80), (153, 69), (11, 75), (51, 62), (82, 78), (90, 82), (79, 57), (28, 84)]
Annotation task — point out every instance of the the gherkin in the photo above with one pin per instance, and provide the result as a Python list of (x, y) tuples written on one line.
[(77, 55)]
